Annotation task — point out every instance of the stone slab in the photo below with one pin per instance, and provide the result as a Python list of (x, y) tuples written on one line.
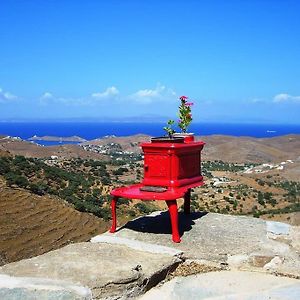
[(233, 285), (136, 245), (278, 228), (204, 236), (240, 242), (108, 270), (35, 288)]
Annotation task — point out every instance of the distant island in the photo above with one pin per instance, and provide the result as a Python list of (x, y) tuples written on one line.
[(57, 138)]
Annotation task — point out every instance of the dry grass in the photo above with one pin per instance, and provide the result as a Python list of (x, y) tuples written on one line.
[(31, 225), (192, 268)]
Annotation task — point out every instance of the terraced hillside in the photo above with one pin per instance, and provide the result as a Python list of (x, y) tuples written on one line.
[(31, 225)]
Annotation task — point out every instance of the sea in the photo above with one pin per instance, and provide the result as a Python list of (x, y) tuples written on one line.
[(94, 130)]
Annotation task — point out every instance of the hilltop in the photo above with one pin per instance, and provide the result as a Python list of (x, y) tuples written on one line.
[(220, 256), (256, 177)]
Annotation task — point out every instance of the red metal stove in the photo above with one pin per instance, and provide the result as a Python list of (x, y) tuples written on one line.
[(174, 168)]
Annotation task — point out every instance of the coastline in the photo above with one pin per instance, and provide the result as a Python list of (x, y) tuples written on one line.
[(58, 139), (80, 132)]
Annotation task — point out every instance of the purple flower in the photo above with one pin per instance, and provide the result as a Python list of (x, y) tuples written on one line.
[(183, 98)]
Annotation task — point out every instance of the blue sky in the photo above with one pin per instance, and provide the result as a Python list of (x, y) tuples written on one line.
[(238, 61)]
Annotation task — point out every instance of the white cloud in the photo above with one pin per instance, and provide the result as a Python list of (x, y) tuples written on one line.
[(280, 98), (151, 95), (47, 95), (160, 93), (110, 92), (49, 98), (6, 96), (46, 98)]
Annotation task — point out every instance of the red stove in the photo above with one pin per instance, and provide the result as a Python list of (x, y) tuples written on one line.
[(171, 170), (172, 164)]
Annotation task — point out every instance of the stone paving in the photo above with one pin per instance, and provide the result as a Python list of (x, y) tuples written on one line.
[(106, 270), (237, 241), (233, 285), (140, 255)]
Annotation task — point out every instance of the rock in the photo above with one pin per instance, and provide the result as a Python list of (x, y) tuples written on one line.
[(139, 255), (274, 263), (39, 288), (108, 270), (204, 236), (278, 228), (260, 260), (237, 261), (237, 241), (227, 285), (136, 245), (295, 238)]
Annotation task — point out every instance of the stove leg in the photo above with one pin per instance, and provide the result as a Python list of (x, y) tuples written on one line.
[(113, 214), (187, 202), (172, 205)]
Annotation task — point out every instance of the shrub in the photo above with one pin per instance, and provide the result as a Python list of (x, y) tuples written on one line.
[(144, 208), (36, 189), (131, 213), (15, 179)]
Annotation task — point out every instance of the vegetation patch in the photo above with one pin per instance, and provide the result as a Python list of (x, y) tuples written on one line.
[(83, 183)]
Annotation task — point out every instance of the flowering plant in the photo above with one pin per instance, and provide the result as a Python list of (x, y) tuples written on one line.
[(185, 117), (184, 114)]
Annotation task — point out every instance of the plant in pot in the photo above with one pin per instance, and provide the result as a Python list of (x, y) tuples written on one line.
[(185, 119), (169, 138)]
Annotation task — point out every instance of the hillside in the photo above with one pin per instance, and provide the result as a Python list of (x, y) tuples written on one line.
[(31, 225), (30, 149), (248, 149), (257, 177), (225, 148), (218, 147), (4, 153), (126, 143)]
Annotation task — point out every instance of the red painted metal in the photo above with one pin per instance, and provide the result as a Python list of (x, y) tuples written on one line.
[(189, 139), (172, 205), (170, 196), (176, 166), (114, 214), (134, 192), (172, 164)]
